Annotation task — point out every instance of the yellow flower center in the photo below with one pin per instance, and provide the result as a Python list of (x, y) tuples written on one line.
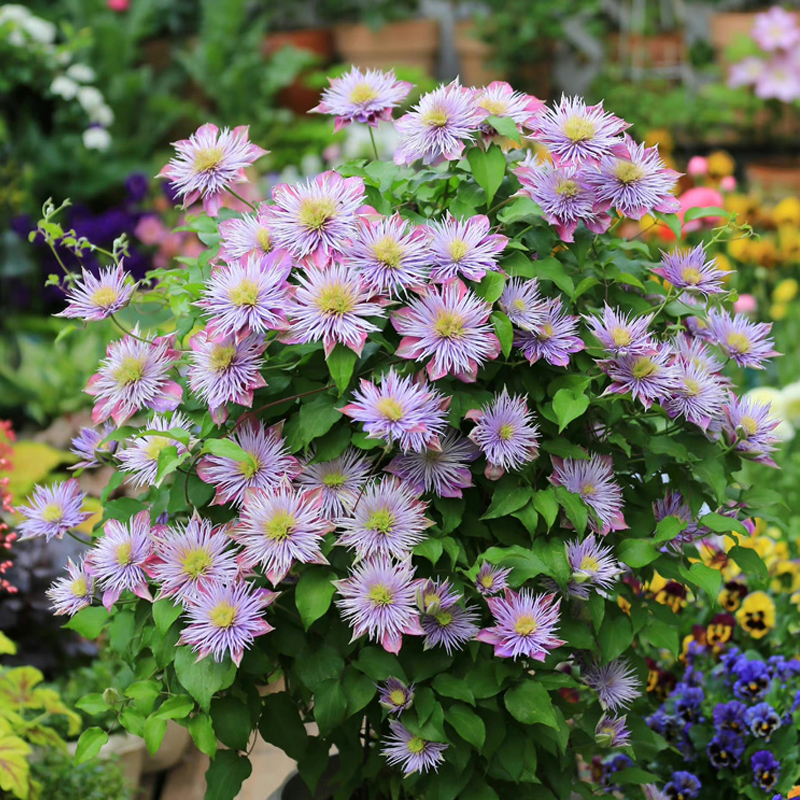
[(518, 305), (245, 294), (155, 446), (579, 129), (458, 249), (436, 118), (105, 296), (627, 172), (333, 480), (487, 581), (221, 357), (691, 387), (380, 595), (389, 252), (390, 408), (567, 188), (362, 93), (124, 554), (315, 214), (208, 159), (416, 745), (588, 490), (525, 625), (196, 563), (546, 332), (78, 587), (249, 467), (280, 526), (336, 300), (398, 697), (506, 432), (749, 425), (494, 105), (738, 342), (643, 368), (130, 370), (223, 615), (52, 512), (264, 242), (381, 521), (620, 336), (589, 564), (691, 275), (449, 325)]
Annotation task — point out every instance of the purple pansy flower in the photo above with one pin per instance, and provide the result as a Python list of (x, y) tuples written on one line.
[(766, 770)]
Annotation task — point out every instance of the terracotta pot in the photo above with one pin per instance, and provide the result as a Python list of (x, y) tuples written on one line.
[(319, 41), (412, 43), (659, 50), (474, 56), (727, 27), (774, 178)]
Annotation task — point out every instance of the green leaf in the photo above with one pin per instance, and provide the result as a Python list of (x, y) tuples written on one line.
[(529, 703), (719, 523), (551, 269), (154, 730), (168, 462), (231, 718), (671, 221), (506, 502), (165, 612), (133, 721), (546, 504), (668, 528), (491, 286), (707, 578), (379, 664), (341, 363), (707, 211), (569, 404), (176, 707), (615, 636), (359, 690), (749, 561), (576, 510), (450, 686), (504, 331), (313, 420), (431, 549), (92, 704), (664, 636), (144, 694), (467, 724), (330, 705), (505, 126), (637, 552), (204, 678), (314, 594), (203, 735), (226, 774), (521, 208), (280, 724), (488, 168), (524, 563), (89, 622), (226, 448), (92, 739)]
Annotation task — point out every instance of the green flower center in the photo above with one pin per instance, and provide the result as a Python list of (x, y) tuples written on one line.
[(333, 480), (362, 93), (449, 325), (245, 294), (264, 242), (315, 214), (389, 252), (249, 467), (390, 408), (105, 296), (458, 250), (567, 188), (436, 118), (129, 371), (627, 172), (579, 129), (124, 554), (78, 587), (221, 357), (336, 300), (52, 512), (280, 526), (620, 336), (738, 342), (380, 595), (381, 521), (398, 697), (444, 618), (589, 564), (223, 615), (518, 305), (506, 432), (588, 490), (155, 445), (525, 625), (196, 563), (643, 368), (208, 159), (416, 745)]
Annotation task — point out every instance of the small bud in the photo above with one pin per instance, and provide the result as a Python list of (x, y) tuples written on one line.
[(111, 696)]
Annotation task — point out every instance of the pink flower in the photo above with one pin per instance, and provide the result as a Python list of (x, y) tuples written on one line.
[(150, 230), (746, 304), (700, 197), (697, 166), (728, 184), (120, 6)]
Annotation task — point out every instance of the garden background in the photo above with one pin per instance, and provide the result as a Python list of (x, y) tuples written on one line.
[(93, 93)]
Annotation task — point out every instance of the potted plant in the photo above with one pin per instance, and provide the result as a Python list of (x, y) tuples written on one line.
[(423, 439)]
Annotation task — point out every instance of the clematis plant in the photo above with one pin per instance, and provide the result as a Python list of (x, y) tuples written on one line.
[(401, 447)]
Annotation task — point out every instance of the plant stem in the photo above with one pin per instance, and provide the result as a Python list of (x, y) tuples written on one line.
[(241, 199), (374, 146)]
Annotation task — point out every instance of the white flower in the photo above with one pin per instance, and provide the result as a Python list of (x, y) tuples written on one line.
[(40, 30), (13, 13), (779, 408), (90, 98), (81, 73), (790, 400), (96, 139), (103, 115), (64, 87)]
